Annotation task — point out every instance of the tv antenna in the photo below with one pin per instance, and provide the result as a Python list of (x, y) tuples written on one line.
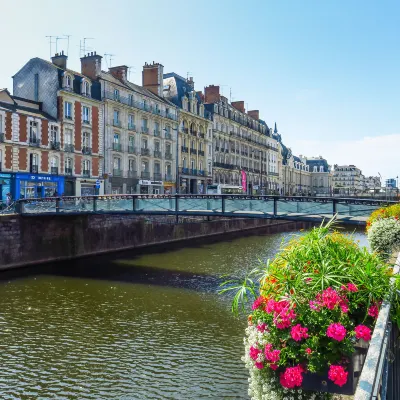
[(50, 43), (110, 58), (130, 67), (67, 37), (57, 39), (83, 48)]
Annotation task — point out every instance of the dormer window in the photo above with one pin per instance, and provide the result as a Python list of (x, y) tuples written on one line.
[(86, 88), (68, 82)]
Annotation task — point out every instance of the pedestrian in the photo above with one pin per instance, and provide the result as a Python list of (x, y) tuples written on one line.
[(8, 199)]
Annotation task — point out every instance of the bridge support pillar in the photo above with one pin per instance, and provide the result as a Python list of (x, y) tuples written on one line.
[(275, 206), (334, 206)]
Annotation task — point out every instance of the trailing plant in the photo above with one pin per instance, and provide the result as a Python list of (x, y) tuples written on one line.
[(384, 236), (384, 212), (319, 295)]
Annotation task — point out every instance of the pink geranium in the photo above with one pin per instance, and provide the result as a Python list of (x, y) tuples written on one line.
[(330, 298), (254, 352), (373, 311), (259, 365), (262, 327), (308, 351), (260, 301), (336, 331), (337, 374), (292, 377), (299, 333), (363, 332)]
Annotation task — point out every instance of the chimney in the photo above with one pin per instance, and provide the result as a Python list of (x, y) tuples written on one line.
[(239, 105), (60, 60), (254, 114), (120, 73), (211, 94), (152, 78), (200, 94), (91, 65)]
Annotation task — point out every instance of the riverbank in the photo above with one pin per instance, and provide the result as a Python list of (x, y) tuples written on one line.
[(40, 239)]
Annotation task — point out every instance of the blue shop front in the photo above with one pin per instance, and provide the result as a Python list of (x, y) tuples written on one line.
[(5, 186), (28, 186)]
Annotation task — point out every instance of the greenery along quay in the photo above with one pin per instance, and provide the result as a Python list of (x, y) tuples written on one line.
[(314, 311)]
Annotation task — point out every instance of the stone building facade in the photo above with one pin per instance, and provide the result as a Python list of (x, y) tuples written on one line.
[(195, 134), (73, 99), (245, 152), (348, 180)]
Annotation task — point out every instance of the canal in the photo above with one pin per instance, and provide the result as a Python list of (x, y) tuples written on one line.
[(128, 326)]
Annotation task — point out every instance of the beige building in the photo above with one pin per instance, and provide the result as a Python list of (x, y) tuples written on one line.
[(139, 145), (195, 134), (246, 154), (348, 180)]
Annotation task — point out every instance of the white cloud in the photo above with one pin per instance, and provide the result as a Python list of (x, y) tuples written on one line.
[(370, 154)]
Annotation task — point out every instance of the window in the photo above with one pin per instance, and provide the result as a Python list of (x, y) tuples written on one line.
[(68, 166), (68, 136), (33, 132), (131, 121), (68, 110), (86, 149), (209, 166), (145, 166), (321, 168), (192, 164), (144, 123), (201, 146), (184, 162), (157, 168), (201, 166), (86, 88), (68, 81), (54, 165), (86, 167), (1, 124), (130, 99), (144, 144), (132, 165), (209, 150), (54, 134), (117, 163), (131, 141), (168, 148), (193, 144), (116, 138), (116, 117), (86, 114), (116, 95), (315, 168), (156, 145)]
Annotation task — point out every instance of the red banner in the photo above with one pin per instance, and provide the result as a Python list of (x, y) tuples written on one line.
[(244, 181)]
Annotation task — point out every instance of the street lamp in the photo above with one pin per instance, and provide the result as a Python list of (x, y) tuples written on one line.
[(177, 159)]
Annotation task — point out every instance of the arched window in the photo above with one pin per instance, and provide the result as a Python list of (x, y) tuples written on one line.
[(68, 81), (117, 166), (321, 168), (86, 88), (315, 169)]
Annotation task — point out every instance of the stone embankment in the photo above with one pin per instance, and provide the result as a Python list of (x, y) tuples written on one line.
[(39, 239)]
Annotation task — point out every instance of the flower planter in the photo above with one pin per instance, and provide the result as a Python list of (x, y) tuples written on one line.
[(321, 383)]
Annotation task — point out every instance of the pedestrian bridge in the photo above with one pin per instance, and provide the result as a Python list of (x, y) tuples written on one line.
[(348, 210)]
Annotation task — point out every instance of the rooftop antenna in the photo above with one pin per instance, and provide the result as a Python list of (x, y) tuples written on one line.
[(67, 36), (222, 89), (129, 71), (83, 49), (110, 57), (50, 42), (57, 39)]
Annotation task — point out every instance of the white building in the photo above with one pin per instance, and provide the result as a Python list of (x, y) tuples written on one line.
[(348, 180)]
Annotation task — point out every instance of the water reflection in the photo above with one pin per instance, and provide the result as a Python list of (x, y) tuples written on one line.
[(128, 326)]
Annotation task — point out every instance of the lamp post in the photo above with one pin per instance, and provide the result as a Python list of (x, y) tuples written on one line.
[(177, 158)]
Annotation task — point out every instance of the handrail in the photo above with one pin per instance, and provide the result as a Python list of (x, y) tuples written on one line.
[(373, 377)]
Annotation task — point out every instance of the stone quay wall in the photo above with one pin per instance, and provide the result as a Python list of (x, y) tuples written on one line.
[(38, 239)]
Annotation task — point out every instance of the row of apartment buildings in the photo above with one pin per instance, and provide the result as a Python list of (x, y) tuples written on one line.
[(349, 180), (95, 132)]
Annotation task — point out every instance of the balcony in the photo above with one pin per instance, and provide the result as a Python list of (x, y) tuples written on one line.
[(201, 153), (132, 127), (54, 170), (69, 148), (132, 173), (201, 172), (145, 130), (168, 156), (145, 152), (223, 165), (117, 123), (86, 173), (117, 172), (184, 171), (55, 145), (157, 176), (157, 154), (184, 149), (193, 151), (68, 171), (117, 146), (193, 171), (131, 149), (34, 169), (145, 175), (34, 141), (86, 150), (2, 137), (157, 133), (168, 135)]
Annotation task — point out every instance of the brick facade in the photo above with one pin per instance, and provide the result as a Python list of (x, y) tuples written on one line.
[(45, 132), (23, 159), (8, 126), (78, 164), (23, 128), (8, 157), (45, 161), (95, 166)]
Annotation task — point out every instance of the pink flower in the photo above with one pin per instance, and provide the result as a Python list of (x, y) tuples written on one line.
[(308, 350), (344, 304), (284, 319), (270, 307), (258, 302), (314, 305), (273, 356), (363, 332), (262, 327), (292, 377), (373, 311), (259, 365), (308, 280), (274, 367), (298, 333), (336, 332), (330, 298), (337, 374), (254, 352), (351, 287)]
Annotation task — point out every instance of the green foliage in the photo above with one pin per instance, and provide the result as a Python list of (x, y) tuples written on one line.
[(384, 236), (384, 212)]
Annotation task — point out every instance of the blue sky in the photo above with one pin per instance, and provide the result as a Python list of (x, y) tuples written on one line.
[(326, 71)]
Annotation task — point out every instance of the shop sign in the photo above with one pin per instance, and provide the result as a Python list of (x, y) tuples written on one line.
[(142, 182)]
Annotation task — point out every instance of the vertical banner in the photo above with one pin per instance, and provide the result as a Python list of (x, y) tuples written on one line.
[(244, 182)]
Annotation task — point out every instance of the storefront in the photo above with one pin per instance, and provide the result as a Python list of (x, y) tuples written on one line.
[(169, 187), (88, 187), (5, 186), (150, 187), (29, 186)]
